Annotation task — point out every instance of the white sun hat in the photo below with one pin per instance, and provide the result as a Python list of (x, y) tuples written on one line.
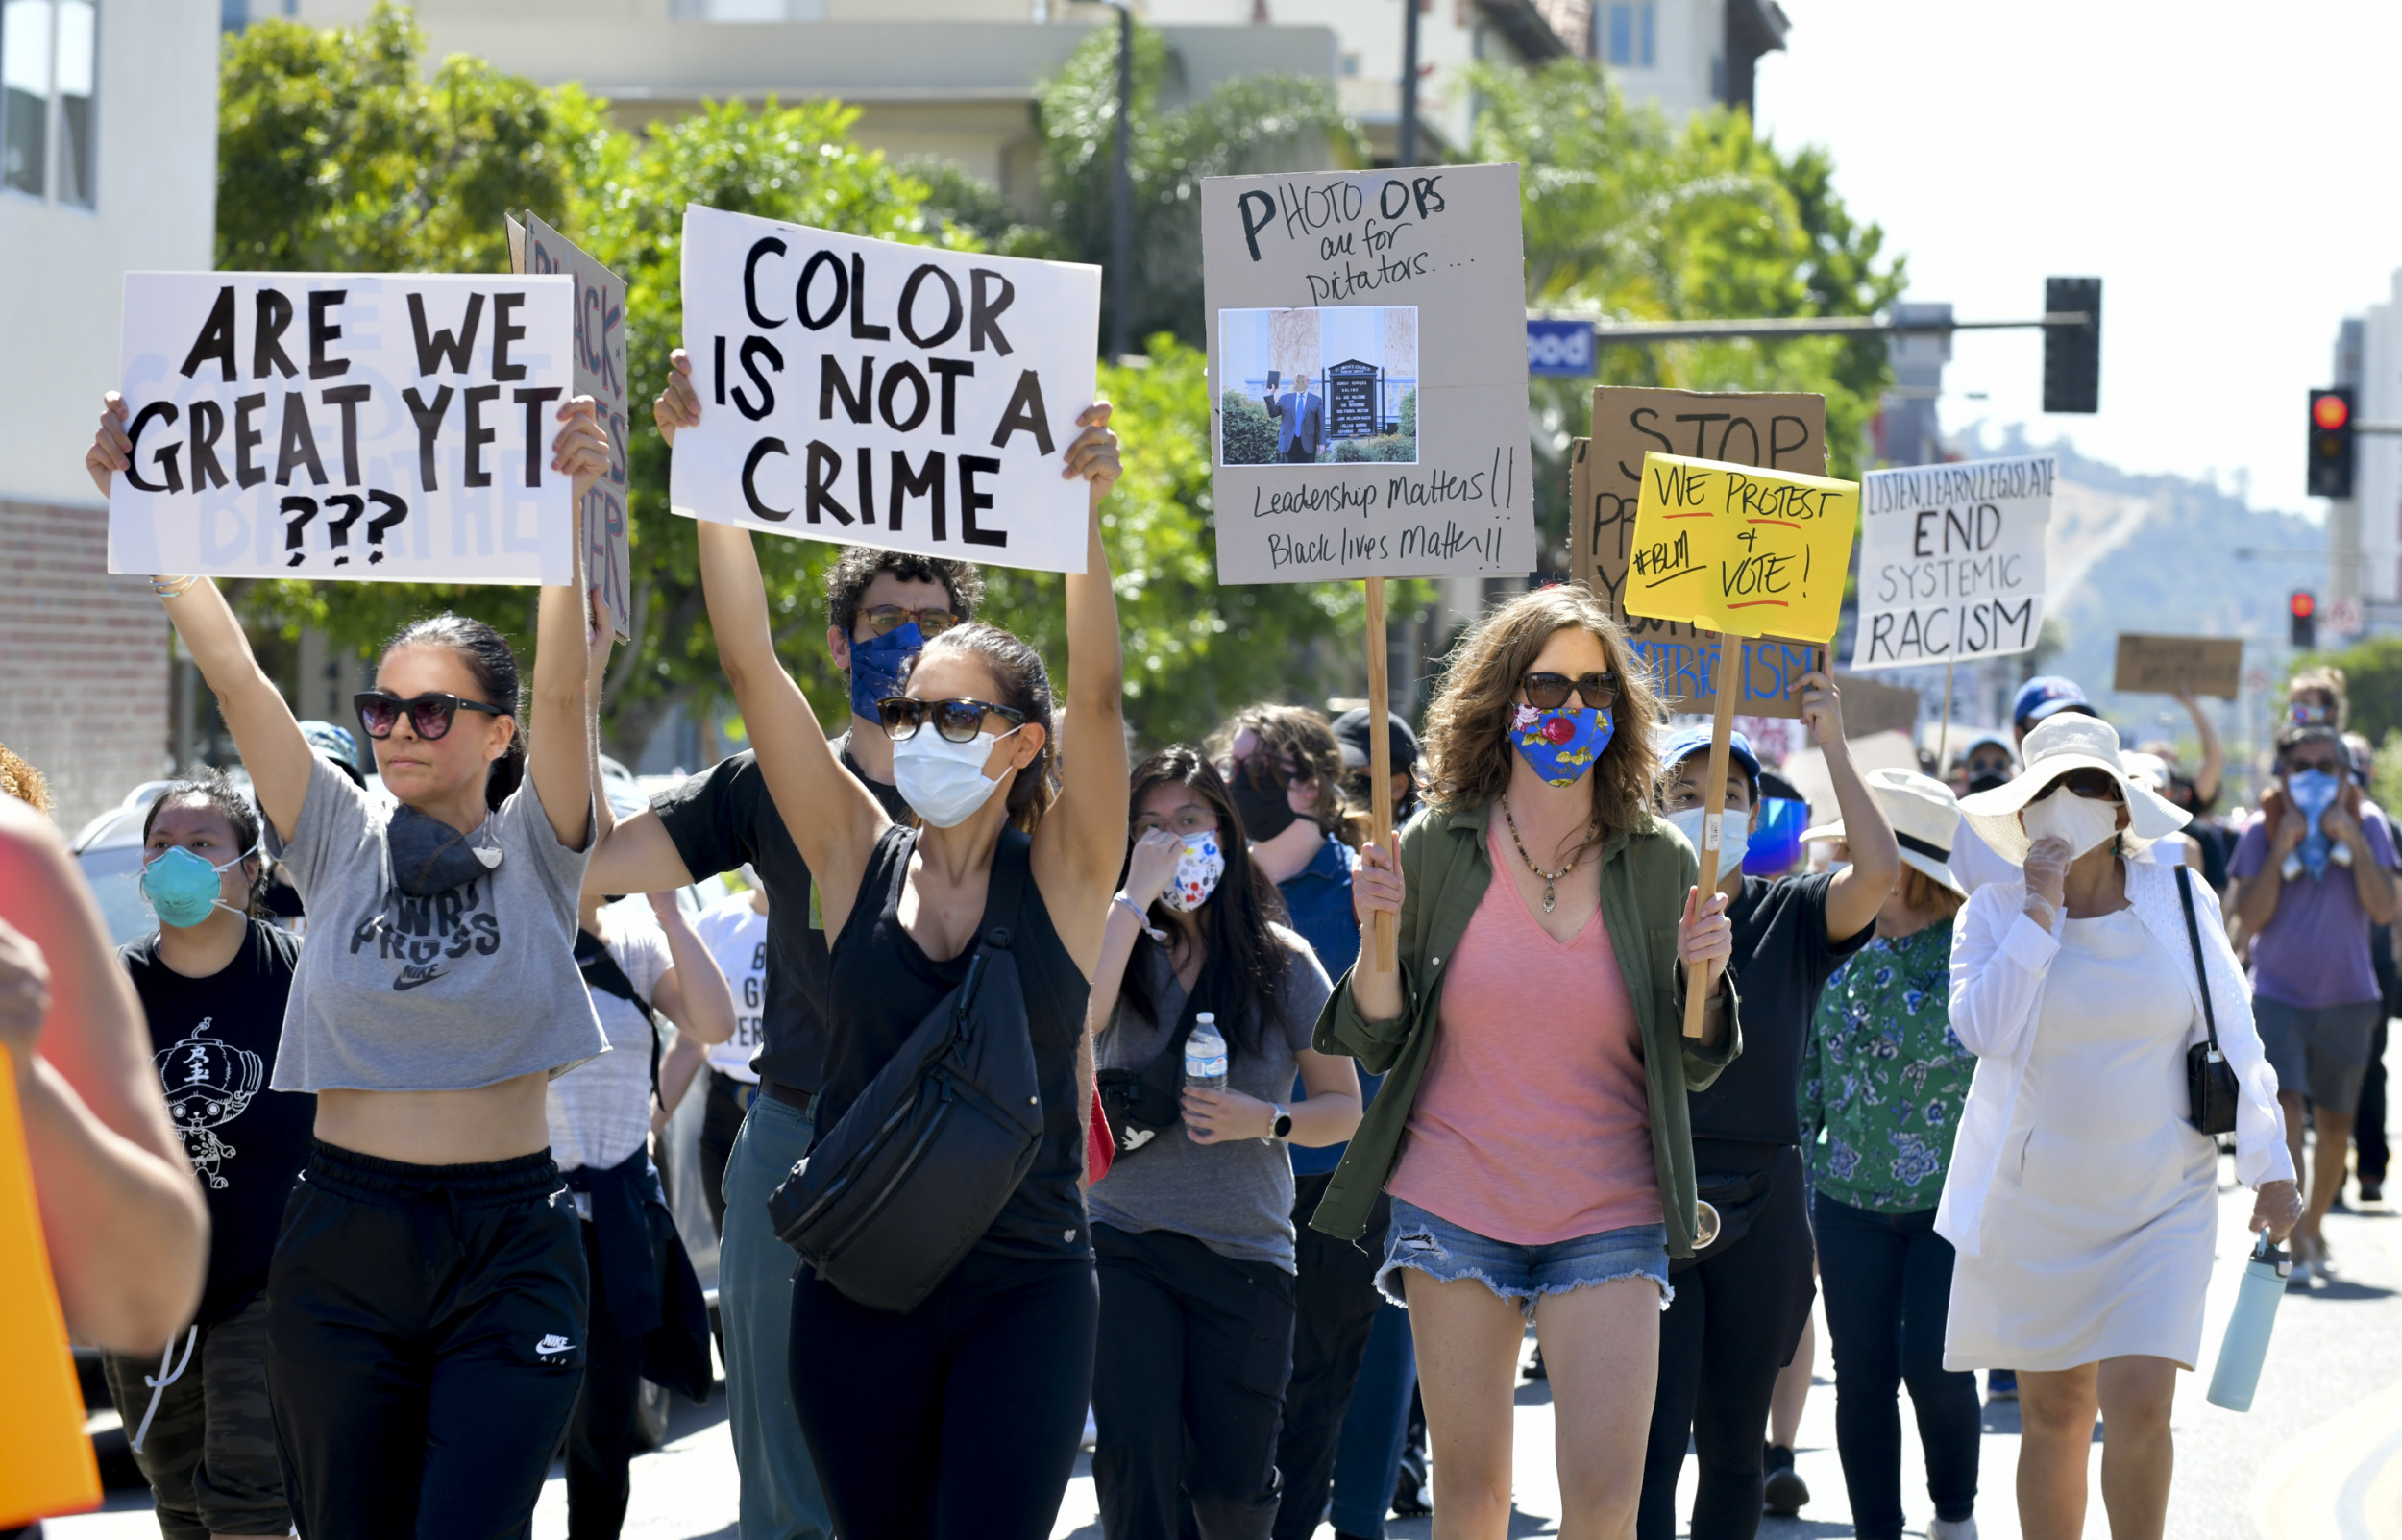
[(2146, 770), (2067, 740), (1925, 820)]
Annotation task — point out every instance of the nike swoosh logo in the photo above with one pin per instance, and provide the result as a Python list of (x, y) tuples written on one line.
[(552, 1344), (412, 979)]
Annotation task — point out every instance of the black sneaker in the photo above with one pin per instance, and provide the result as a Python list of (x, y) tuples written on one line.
[(2372, 1191), (1410, 1498), (1784, 1492)]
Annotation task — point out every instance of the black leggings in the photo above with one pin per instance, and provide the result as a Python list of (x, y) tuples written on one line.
[(1735, 1322), (425, 1344), (958, 1419)]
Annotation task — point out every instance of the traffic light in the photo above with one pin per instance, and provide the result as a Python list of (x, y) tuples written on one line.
[(2302, 608), (2332, 444), (2072, 355)]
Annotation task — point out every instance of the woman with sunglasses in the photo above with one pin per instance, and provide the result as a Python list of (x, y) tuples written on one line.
[(1531, 1124), (2081, 1201), (962, 1416), (427, 1292)]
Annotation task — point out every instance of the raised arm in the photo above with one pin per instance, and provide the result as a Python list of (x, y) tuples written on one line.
[(1859, 889), (561, 758), (693, 993), (1149, 869), (2214, 756)]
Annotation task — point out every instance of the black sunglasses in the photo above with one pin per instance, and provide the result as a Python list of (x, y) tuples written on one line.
[(1549, 691), (885, 618), (957, 720), (428, 715), (2093, 785)]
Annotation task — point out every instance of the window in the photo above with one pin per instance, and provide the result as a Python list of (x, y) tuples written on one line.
[(49, 76), (1630, 34)]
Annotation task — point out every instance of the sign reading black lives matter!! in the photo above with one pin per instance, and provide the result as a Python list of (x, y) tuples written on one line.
[(534, 247), (1951, 561), (1368, 374), (350, 426), (876, 394)]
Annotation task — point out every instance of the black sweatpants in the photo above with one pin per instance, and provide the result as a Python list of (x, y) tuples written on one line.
[(2368, 1119), (959, 1419), (1732, 1326), (604, 1432), (1195, 1350), (425, 1344), (1335, 1303)]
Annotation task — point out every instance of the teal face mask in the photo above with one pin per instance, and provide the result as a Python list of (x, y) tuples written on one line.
[(183, 886)]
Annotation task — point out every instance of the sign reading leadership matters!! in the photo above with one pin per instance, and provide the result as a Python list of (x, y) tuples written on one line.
[(1743, 550), (534, 247), (346, 425), (878, 394), (1366, 374), (1951, 561)]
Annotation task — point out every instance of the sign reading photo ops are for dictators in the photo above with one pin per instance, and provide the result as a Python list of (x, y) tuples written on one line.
[(1951, 561), (351, 425), (600, 309), (878, 394), (1367, 374)]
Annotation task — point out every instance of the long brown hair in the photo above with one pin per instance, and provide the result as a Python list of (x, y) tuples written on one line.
[(1243, 965), (1309, 739), (1026, 685), (1468, 756)]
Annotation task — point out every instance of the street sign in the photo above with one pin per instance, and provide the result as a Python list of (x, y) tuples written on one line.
[(1560, 350), (2343, 617)]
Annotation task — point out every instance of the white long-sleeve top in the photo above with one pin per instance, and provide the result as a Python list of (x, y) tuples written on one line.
[(1999, 962)]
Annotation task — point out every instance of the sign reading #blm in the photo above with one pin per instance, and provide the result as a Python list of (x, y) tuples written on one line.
[(878, 394), (1368, 381), (347, 426)]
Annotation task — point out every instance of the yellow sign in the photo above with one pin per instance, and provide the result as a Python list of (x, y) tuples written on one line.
[(1735, 549), (46, 1464)]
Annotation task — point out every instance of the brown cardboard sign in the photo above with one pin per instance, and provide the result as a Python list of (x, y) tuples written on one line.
[(1874, 706), (2164, 664)]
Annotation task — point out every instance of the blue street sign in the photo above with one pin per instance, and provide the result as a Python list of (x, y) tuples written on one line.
[(1563, 348)]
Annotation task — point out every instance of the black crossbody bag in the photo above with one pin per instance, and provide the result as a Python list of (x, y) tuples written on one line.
[(2209, 1084), (914, 1172), (1143, 1104)]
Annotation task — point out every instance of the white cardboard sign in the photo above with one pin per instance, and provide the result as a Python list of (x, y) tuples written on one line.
[(599, 373), (391, 427), (878, 394), (1951, 561), (1367, 374)]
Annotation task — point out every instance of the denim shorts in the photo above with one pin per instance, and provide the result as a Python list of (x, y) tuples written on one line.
[(1442, 1249)]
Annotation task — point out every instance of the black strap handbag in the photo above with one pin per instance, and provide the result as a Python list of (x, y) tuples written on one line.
[(2209, 1084), (914, 1172), (1142, 1104)]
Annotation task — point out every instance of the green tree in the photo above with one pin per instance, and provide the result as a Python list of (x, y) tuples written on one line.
[(2372, 683)]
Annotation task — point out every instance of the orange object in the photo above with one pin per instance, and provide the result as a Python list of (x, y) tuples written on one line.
[(46, 1464)]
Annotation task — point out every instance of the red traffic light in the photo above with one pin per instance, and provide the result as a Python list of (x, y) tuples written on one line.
[(2303, 604), (2331, 411)]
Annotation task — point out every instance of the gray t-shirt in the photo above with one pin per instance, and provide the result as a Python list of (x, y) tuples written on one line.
[(468, 988), (1235, 1198)]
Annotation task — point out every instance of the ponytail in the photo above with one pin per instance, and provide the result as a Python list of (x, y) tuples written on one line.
[(488, 655)]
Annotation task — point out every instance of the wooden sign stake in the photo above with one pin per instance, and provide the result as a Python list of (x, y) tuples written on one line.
[(1381, 956), (1713, 811)]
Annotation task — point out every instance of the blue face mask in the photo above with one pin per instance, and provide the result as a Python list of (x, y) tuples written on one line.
[(880, 668), (2313, 793), (1563, 744), (182, 887)]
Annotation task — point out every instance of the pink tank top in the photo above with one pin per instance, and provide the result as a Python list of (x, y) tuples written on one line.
[(1531, 1124)]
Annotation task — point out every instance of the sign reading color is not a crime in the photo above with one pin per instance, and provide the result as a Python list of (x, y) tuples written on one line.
[(1951, 561), (347, 425), (878, 394), (1367, 371)]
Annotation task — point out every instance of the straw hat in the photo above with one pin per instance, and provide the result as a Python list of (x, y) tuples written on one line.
[(1925, 820), (2061, 742)]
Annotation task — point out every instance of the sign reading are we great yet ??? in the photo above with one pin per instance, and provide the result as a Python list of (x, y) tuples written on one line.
[(1951, 561), (347, 425), (876, 394), (1739, 549)]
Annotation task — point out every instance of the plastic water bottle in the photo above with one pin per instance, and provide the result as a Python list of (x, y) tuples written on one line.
[(1205, 1059), (2246, 1344)]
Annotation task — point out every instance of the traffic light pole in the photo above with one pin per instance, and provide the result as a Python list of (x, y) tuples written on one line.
[(1605, 332)]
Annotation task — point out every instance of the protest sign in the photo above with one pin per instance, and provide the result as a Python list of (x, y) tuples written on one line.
[(1872, 706), (876, 394), (599, 359), (1951, 561), (1367, 374), (350, 426), (2164, 664)]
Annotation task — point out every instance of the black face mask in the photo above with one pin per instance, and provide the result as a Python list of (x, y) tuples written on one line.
[(429, 857), (1266, 814), (1986, 782)]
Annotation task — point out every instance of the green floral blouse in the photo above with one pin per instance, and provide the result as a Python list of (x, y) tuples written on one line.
[(1884, 1077)]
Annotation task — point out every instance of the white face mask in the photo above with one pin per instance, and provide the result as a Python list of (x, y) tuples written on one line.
[(2063, 814), (1198, 873), (1734, 836), (944, 782)]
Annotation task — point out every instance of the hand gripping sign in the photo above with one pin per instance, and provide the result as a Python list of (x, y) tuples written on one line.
[(878, 394), (1744, 552)]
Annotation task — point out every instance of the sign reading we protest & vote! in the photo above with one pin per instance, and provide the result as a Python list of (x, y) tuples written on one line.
[(345, 425), (1728, 548), (878, 394), (1951, 561)]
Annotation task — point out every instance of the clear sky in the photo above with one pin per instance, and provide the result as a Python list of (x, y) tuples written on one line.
[(2224, 169)]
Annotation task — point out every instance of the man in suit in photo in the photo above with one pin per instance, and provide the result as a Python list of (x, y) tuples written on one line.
[(1300, 423)]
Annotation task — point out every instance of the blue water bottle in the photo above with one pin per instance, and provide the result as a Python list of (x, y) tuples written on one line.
[(2246, 1344)]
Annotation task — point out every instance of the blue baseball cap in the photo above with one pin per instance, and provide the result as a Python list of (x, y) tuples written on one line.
[(1687, 741), (2048, 695)]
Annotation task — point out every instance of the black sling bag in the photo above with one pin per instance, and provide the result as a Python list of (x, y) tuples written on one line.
[(2209, 1084), (601, 972)]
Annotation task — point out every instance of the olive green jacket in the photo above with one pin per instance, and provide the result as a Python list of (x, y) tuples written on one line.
[(1445, 868)]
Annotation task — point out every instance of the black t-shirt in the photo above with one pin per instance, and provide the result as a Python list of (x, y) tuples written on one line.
[(1782, 961), (724, 816), (214, 1045)]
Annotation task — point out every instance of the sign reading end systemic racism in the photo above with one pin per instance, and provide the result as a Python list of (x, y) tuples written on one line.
[(876, 394), (1728, 548), (347, 425), (1951, 561), (1367, 370), (534, 247)]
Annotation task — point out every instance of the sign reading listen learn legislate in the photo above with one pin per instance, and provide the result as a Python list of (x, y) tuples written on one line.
[(347, 426), (876, 394), (1951, 561)]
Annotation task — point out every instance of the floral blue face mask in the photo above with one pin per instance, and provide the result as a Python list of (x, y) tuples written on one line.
[(183, 886), (880, 667), (2313, 793), (1561, 743)]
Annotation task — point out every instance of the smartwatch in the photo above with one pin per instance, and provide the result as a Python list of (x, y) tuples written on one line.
[(1281, 1126)]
